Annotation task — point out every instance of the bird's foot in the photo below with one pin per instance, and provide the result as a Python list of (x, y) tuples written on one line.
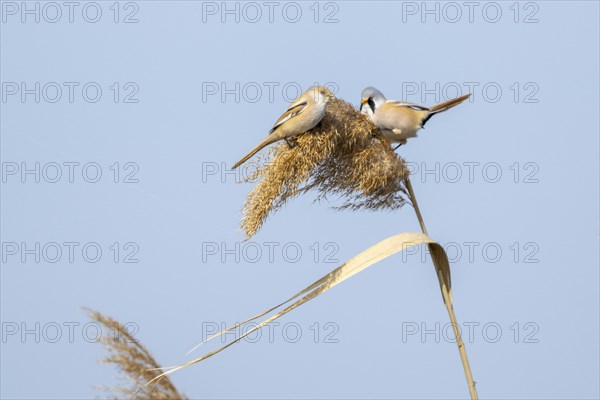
[(291, 144)]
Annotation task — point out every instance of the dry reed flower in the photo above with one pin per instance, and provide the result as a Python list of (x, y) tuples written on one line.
[(136, 362), (344, 156)]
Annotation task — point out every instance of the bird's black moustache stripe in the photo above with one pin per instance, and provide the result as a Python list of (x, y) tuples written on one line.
[(371, 104)]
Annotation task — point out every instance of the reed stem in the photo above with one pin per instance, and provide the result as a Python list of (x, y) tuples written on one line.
[(447, 300)]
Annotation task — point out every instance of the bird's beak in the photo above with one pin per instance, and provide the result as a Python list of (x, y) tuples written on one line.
[(364, 101), (330, 95)]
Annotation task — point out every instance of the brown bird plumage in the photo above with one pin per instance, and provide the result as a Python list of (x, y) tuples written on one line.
[(400, 120), (302, 115)]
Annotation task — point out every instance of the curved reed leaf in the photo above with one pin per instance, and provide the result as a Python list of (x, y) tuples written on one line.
[(356, 264)]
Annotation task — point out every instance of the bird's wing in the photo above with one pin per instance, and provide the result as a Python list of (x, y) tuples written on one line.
[(408, 105), (387, 116), (293, 110)]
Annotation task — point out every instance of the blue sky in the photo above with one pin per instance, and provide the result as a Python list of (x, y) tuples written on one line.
[(128, 117)]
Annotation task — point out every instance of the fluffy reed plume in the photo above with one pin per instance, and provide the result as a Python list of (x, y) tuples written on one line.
[(135, 361), (343, 156)]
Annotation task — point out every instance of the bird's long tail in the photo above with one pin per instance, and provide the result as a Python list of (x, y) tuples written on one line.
[(449, 104), (266, 141), (445, 106)]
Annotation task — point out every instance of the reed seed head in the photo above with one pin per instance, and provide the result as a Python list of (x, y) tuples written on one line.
[(344, 156)]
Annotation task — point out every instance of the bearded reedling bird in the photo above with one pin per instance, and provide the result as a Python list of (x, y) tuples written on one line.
[(400, 120), (302, 115)]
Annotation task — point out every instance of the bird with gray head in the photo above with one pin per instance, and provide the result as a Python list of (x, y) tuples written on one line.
[(302, 115), (400, 120)]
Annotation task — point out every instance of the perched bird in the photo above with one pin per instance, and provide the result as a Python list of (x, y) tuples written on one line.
[(400, 120), (302, 115)]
